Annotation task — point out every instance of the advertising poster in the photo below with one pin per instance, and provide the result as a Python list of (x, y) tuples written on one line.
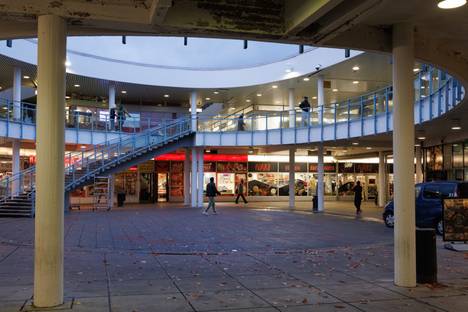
[(455, 219)]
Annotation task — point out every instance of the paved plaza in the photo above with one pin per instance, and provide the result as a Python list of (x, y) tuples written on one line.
[(243, 259)]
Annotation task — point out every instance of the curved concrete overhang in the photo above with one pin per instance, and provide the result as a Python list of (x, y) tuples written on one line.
[(148, 74)]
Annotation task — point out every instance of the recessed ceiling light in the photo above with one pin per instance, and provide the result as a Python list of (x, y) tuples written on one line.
[(1, 87), (415, 70), (216, 92), (123, 92), (421, 138), (248, 100), (355, 82), (67, 64), (314, 98), (456, 128), (335, 90), (259, 94), (77, 86), (306, 79), (166, 95), (207, 98), (83, 146), (451, 4), (67, 97), (368, 148), (26, 77), (274, 86), (417, 145), (355, 143), (232, 108), (356, 68)]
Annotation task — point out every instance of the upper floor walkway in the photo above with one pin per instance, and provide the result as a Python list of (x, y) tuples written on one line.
[(436, 93)]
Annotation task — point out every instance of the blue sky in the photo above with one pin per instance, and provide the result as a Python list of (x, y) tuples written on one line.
[(170, 51)]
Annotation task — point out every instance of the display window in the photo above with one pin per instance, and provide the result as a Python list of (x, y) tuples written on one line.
[(206, 179), (241, 177), (226, 183), (176, 180), (262, 184)]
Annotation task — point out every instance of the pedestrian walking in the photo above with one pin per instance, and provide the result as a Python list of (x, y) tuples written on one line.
[(305, 107), (240, 192), (357, 197), (122, 114), (211, 193)]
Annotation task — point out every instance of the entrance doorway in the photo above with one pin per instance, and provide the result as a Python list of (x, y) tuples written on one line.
[(162, 189), (146, 188)]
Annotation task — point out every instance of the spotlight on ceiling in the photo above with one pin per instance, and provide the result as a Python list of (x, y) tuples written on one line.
[(335, 90), (248, 100), (355, 82), (77, 86), (123, 92), (356, 68), (306, 78), (274, 86), (355, 143), (415, 69), (216, 92), (450, 4), (421, 138), (26, 77), (314, 98), (259, 94), (166, 95), (207, 98)]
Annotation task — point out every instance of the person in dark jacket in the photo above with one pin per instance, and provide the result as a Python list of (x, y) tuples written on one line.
[(305, 107), (211, 192), (357, 197), (240, 192), (240, 123), (112, 115)]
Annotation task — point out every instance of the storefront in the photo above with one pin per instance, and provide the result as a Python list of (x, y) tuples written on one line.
[(446, 162)]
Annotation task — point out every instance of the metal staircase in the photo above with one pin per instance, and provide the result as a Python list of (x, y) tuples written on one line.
[(17, 193)]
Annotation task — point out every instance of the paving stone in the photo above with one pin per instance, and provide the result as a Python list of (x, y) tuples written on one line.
[(331, 307), (207, 283), (451, 304), (11, 305), (233, 299), (142, 287), (283, 297), (359, 292), (150, 303), (97, 304), (404, 305)]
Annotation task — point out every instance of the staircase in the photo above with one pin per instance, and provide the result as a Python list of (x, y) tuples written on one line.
[(82, 167)]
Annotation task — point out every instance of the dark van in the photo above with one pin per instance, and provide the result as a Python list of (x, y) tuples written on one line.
[(429, 203)]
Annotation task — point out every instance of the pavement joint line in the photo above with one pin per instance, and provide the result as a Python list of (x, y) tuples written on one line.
[(174, 283), (305, 282), (9, 254), (108, 283), (242, 284)]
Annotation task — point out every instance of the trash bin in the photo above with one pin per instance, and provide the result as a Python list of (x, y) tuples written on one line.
[(120, 199), (426, 256), (315, 203)]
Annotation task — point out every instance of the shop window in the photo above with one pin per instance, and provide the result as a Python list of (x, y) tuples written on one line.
[(457, 155)]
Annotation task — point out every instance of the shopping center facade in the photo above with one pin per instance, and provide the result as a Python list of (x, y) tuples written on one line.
[(167, 149)]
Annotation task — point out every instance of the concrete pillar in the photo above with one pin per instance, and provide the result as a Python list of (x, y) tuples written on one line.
[(419, 173), (320, 189), (17, 93), (403, 155), (193, 109), (292, 178), (15, 166), (320, 97), (187, 177), (292, 108), (381, 188), (200, 177), (48, 256), (193, 185)]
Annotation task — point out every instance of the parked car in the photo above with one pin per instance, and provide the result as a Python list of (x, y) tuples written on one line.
[(429, 203)]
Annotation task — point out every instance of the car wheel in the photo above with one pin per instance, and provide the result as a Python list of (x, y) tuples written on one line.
[(389, 220), (440, 227)]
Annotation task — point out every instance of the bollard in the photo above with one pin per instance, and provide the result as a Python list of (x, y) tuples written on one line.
[(426, 256), (315, 203)]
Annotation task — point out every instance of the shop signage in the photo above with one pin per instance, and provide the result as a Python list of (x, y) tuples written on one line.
[(177, 167), (366, 168), (299, 167), (328, 167), (231, 167), (209, 167), (263, 167), (146, 167), (455, 219), (162, 166), (346, 167)]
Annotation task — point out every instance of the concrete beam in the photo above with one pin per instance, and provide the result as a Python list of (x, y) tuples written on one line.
[(158, 11), (300, 14)]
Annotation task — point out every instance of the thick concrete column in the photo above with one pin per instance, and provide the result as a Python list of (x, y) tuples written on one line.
[(193, 185), (320, 97), (382, 187), (15, 166), (48, 257), (292, 178), (419, 173), (193, 109), (292, 108), (187, 177), (17, 93), (200, 177), (320, 190), (112, 96), (403, 155)]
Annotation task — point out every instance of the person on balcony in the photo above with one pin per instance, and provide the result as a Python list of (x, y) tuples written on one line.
[(112, 119), (211, 192), (305, 107), (240, 123), (121, 116)]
